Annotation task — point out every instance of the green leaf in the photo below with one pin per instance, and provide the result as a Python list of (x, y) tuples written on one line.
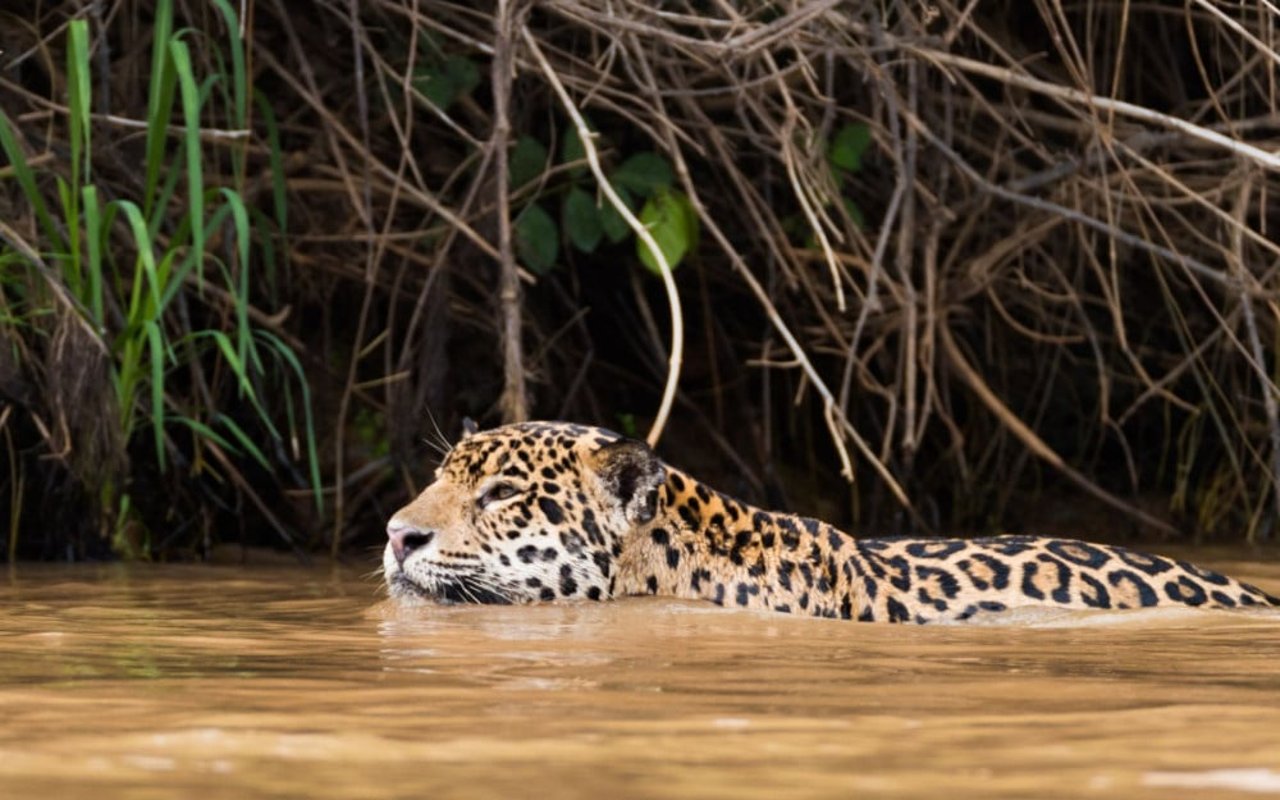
[(855, 213), (429, 48), (370, 428), (572, 151), (644, 173), (627, 424), (537, 239), (571, 148), (527, 161), (581, 220), (801, 231), (670, 218), (464, 73), (611, 222), (850, 143), (445, 83)]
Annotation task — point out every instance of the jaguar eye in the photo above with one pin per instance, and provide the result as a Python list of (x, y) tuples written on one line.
[(497, 493)]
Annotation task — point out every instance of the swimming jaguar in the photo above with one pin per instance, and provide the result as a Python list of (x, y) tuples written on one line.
[(545, 511)]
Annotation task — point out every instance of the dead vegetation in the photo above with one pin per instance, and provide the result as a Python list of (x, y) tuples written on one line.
[(960, 251)]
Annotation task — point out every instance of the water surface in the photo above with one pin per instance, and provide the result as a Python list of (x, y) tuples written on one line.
[(162, 681)]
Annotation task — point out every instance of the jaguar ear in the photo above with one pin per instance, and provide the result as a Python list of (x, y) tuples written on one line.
[(469, 427), (632, 474)]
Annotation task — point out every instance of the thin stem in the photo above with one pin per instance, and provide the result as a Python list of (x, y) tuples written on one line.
[(515, 406), (676, 354)]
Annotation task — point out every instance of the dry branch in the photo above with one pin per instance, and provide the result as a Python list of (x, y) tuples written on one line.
[(675, 355), (1056, 257), (514, 402)]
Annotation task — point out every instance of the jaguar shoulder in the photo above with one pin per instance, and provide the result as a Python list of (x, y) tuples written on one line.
[(545, 511)]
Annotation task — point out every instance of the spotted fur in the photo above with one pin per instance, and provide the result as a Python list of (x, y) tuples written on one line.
[(547, 511)]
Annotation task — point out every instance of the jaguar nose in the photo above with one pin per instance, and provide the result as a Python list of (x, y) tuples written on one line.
[(406, 538)]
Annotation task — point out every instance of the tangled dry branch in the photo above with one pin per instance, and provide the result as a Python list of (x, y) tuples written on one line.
[(970, 245)]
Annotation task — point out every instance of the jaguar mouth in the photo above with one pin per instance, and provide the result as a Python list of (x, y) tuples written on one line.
[(450, 591), (399, 585), (465, 591)]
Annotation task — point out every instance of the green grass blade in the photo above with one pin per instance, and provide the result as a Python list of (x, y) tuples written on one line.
[(156, 345), (79, 100), (206, 432), (238, 369), (263, 225), (175, 282), (146, 255), (244, 440), (159, 102), (93, 232), (161, 201), (244, 339), (239, 84), (126, 380), (69, 260), (313, 459), (233, 360), (79, 105), (164, 269), (27, 182), (189, 93), (279, 195)]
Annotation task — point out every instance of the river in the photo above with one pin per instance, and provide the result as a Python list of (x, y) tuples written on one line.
[(144, 681)]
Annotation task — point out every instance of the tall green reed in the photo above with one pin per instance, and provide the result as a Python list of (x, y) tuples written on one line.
[(170, 227)]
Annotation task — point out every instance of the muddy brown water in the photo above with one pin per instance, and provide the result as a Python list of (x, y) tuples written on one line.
[(220, 682)]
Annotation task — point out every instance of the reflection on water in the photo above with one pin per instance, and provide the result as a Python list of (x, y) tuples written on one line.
[(146, 682)]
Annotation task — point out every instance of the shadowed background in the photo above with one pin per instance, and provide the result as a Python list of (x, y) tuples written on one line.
[(1015, 259)]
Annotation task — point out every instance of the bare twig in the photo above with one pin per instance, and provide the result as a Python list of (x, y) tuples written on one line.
[(370, 265), (676, 354), (1242, 149), (1259, 361), (1030, 440), (514, 401)]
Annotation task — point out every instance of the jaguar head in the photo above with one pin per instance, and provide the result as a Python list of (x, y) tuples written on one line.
[(529, 512)]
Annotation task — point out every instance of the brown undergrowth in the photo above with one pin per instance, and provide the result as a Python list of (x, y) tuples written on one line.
[(961, 252)]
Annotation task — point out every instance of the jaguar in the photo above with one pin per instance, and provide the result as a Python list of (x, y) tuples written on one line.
[(549, 511)]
